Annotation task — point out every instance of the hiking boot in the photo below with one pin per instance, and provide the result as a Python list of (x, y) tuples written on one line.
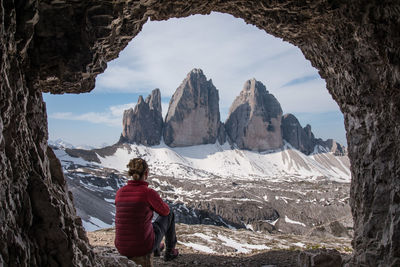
[(171, 254), (157, 252)]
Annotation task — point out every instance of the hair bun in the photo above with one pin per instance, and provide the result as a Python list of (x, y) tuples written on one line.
[(136, 168)]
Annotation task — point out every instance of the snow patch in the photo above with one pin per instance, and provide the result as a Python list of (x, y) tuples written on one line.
[(94, 224), (293, 222), (198, 247), (240, 247), (207, 161)]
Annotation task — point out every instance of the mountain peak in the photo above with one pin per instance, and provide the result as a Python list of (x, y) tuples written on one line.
[(303, 139), (196, 71), (254, 119), (140, 100), (254, 122), (154, 100), (144, 123), (193, 115)]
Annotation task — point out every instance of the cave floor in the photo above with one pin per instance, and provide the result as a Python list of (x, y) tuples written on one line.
[(195, 251)]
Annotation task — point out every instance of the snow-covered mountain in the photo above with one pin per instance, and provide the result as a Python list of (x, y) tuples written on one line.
[(196, 162), (283, 190), (60, 143)]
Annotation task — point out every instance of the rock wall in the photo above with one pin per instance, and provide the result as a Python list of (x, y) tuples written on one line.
[(299, 137), (144, 123), (303, 139), (193, 114), (60, 46), (39, 226), (254, 119)]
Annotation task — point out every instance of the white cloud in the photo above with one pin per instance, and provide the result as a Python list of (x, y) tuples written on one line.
[(305, 97), (118, 111), (227, 49), (111, 117)]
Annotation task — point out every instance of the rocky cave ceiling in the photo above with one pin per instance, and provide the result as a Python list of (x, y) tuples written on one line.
[(60, 46)]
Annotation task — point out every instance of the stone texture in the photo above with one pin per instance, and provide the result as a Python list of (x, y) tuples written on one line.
[(303, 139), (222, 134), (320, 258), (144, 123), (330, 145), (193, 113), (254, 119), (60, 46), (300, 138), (39, 226)]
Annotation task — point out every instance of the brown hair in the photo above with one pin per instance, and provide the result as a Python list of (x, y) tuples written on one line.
[(136, 168)]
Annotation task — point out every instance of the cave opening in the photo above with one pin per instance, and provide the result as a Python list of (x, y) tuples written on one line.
[(60, 47), (229, 52)]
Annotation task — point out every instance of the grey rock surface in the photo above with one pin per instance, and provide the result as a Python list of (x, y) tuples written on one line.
[(320, 258), (254, 119), (144, 123), (353, 45), (330, 145), (303, 139), (300, 138), (193, 115), (221, 134)]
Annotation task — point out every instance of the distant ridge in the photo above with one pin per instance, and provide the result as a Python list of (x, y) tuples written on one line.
[(255, 120)]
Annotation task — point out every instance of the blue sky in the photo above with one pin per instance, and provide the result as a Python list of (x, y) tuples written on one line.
[(229, 52)]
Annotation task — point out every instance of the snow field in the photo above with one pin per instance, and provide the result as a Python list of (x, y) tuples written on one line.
[(213, 239), (205, 161)]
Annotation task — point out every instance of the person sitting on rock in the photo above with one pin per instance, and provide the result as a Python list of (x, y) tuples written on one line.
[(135, 234)]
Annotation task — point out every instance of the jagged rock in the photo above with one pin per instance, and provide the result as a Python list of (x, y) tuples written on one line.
[(320, 258), (193, 114), (111, 257), (154, 101), (144, 123), (330, 145), (354, 46), (300, 138), (254, 120), (221, 134), (303, 139)]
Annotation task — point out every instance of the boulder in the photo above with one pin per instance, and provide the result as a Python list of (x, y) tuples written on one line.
[(320, 258), (254, 119)]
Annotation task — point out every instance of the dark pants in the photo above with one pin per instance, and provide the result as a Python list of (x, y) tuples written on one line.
[(164, 226)]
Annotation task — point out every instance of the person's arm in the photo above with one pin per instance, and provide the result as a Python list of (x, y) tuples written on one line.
[(157, 203)]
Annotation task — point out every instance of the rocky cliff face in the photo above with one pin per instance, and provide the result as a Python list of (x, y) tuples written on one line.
[(300, 138), (254, 120), (38, 222), (193, 114), (303, 139), (353, 45), (144, 123), (330, 145)]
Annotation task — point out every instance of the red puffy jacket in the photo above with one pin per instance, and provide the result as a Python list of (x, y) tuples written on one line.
[(135, 202)]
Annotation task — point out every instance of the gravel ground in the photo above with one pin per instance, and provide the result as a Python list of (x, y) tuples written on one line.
[(283, 250)]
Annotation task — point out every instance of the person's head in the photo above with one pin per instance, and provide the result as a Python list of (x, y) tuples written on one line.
[(138, 169)]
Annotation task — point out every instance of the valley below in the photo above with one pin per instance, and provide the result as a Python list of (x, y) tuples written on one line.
[(286, 204)]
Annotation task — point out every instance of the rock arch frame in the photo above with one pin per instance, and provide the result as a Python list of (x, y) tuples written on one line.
[(60, 46)]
